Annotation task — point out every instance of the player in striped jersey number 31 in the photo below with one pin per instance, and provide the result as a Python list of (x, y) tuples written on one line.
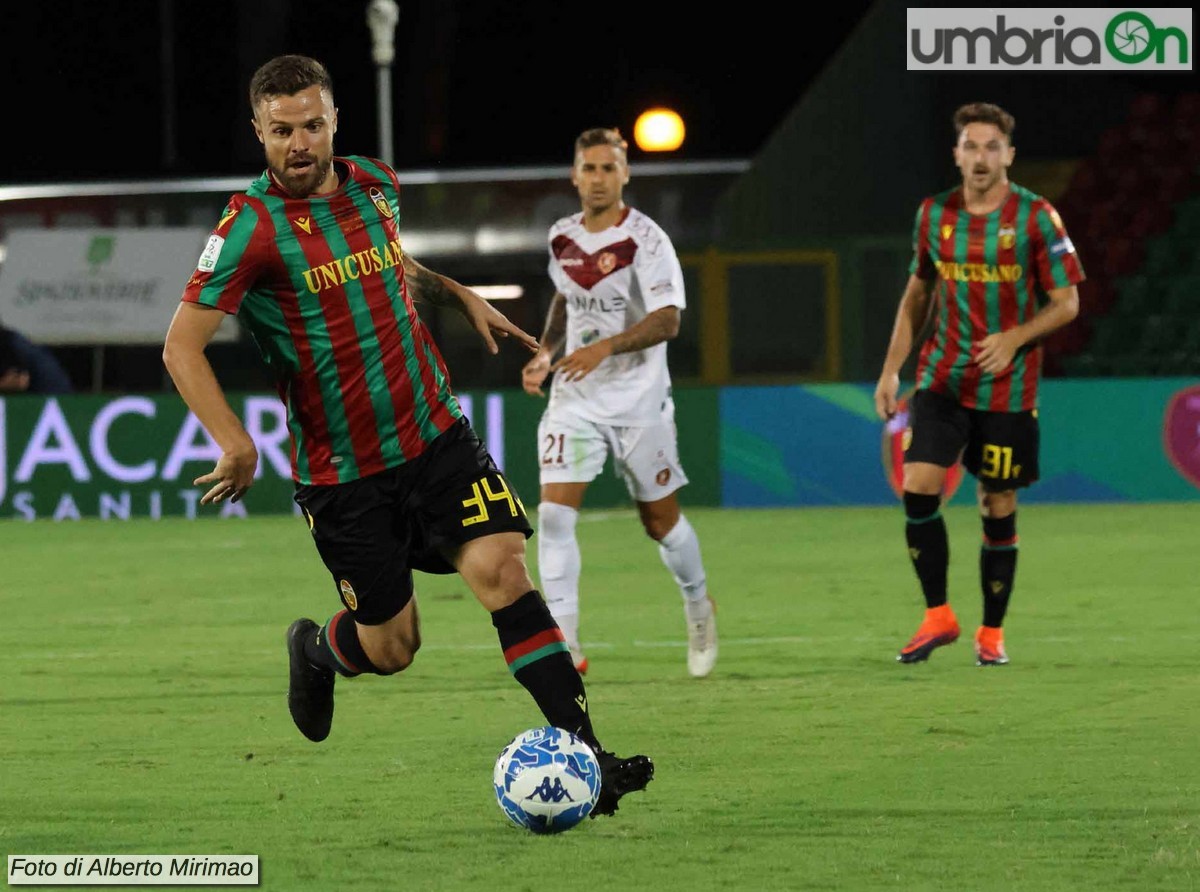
[(992, 262), (388, 471)]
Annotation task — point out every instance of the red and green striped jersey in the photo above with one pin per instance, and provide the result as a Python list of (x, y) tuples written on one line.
[(993, 272), (319, 285)]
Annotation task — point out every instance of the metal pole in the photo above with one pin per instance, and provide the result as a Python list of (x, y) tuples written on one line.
[(383, 83), (382, 16)]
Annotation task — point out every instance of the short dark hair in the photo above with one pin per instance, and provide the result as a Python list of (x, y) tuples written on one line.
[(984, 113), (287, 76), (601, 136)]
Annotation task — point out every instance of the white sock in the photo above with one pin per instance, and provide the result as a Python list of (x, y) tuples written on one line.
[(680, 551), (559, 565)]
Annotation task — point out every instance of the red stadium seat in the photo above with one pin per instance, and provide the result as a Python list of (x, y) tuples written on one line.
[(1187, 107), (1148, 107), (1115, 150), (1119, 256)]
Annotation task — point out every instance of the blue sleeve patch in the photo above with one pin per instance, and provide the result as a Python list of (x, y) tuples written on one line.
[(1063, 246)]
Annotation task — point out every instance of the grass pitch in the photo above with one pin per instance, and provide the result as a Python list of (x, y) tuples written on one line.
[(143, 712)]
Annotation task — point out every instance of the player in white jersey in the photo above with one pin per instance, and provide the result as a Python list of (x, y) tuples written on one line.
[(618, 297)]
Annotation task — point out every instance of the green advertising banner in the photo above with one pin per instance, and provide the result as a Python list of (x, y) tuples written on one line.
[(121, 457)]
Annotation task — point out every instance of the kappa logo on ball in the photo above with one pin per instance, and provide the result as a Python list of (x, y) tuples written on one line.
[(348, 597)]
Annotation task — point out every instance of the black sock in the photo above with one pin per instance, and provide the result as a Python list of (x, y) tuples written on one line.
[(927, 545), (537, 656), (997, 566), (336, 646)]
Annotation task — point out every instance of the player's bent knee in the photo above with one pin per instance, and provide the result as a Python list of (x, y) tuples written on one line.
[(997, 504), (390, 651), (657, 528), (394, 657)]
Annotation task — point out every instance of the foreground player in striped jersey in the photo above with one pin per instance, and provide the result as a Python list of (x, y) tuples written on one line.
[(389, 473), (999, 269), (618, 296)]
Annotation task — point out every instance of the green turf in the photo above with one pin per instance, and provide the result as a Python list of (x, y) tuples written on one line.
[(143, 711)]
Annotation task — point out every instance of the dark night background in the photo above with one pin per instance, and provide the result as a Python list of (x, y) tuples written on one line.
[(474, 83)]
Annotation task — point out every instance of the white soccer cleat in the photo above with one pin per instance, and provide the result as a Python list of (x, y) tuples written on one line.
[(702, 641)]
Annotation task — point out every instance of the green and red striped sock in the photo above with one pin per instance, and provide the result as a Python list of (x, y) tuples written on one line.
[(336, 646), (537, 656)]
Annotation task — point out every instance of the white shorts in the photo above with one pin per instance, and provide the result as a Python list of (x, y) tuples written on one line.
[(573, 450)]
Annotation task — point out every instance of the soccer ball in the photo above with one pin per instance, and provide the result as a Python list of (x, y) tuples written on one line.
[(547, 780)]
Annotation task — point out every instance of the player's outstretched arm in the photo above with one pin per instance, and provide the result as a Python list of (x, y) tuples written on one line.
[(442, 291), (911, 316), (661, 325), (534, 374), (183, 355)]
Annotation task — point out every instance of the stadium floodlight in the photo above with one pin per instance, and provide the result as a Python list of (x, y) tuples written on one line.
[(382, 16), (658, 130)]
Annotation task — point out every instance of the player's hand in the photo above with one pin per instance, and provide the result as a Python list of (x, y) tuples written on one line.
[(885, 396), (995, 353), (14, 381), (490, 324), (233, 475), (579, 364), (534, 374)]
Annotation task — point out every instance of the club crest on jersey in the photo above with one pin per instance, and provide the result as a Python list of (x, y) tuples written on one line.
[(348, 597), (228, 215), (947, 231), (1007, 237), (380, 202), (304, 223), (606, 262), (663, 477)]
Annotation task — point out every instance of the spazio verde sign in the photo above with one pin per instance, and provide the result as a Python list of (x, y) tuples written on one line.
[(1066, 38)]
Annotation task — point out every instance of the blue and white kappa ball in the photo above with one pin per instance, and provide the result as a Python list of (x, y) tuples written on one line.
[(547, 780)]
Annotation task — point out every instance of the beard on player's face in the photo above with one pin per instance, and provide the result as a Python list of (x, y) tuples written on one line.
[(303, 172)]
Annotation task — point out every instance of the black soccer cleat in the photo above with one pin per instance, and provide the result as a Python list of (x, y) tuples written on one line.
[(310, 688), (618, 777)]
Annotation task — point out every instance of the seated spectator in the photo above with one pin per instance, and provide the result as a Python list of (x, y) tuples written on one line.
[(26, 367)]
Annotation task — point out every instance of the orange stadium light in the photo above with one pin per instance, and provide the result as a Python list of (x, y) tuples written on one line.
[(658, 130)]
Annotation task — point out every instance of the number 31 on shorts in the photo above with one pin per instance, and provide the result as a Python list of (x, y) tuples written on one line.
[(997, 462)]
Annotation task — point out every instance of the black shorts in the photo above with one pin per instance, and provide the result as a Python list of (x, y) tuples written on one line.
[(373, 532), (999, 448)]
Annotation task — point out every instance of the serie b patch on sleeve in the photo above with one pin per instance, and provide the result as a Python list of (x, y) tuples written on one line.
[(212, 250)]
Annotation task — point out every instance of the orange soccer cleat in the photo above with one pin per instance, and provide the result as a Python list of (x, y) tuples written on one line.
[(989, 647), (939, 628)]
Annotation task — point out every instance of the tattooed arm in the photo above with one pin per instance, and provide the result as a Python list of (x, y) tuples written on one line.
[(553, 335), (661, 325), (442, 291)]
